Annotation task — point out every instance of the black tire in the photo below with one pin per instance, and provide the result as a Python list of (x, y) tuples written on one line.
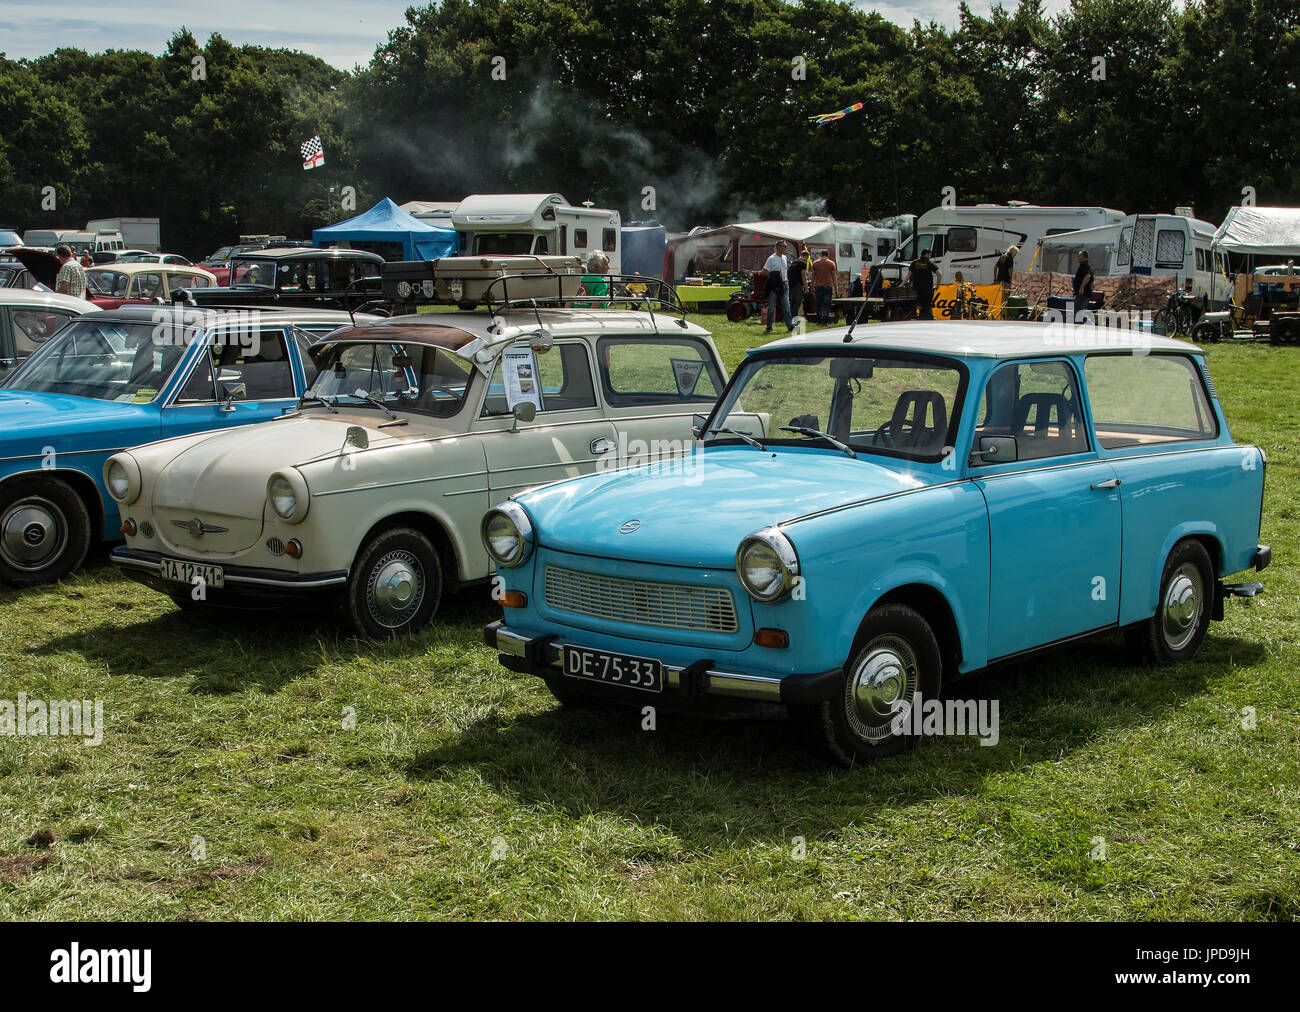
[(44, 531), (1175, 632), (738, 311), (395, 584), (897, 646), (1206, 333)]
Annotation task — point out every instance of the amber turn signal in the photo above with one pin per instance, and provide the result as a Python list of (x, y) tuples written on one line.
[(777, 639), (293, 548), (514, 599), (128, 528)]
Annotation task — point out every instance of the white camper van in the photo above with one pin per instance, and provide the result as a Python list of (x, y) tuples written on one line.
[(970, 239), (543, 224), (1153, 245)]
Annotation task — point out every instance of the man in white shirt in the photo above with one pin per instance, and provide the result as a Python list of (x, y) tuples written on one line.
[(777, 292), (71, 279)]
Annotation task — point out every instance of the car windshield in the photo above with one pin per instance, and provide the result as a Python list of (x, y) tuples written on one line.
[(249, 271), (107, 361), (895, 405), (405, 377)]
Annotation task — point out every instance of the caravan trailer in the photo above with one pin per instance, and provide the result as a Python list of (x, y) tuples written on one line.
[(970, 239), (1153, 245), (541, 224)]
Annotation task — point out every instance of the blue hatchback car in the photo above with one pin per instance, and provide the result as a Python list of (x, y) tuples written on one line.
[(868, 514), (112, 380)]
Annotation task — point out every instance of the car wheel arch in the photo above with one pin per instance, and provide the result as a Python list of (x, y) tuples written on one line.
[(932, 605), (432, 527), (82, 484)]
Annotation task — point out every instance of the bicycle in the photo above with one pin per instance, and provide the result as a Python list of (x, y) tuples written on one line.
[(1181, 313)]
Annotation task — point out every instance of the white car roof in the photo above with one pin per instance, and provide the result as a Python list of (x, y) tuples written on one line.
[(45, 300), (985, 339)]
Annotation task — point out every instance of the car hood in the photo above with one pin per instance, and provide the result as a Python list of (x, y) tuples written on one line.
[(29, 422), (227, 472), (697, 515)]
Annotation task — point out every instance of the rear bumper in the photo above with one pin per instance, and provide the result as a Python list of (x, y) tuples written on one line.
[(1262, 557), (541, 656), (241, 582)]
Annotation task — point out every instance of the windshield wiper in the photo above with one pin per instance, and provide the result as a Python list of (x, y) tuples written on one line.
[(736, 432), (804, 430), (309, 396), (372, 399)]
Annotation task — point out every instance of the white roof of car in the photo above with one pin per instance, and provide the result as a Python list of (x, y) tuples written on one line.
[(45, 300), (986, 339), (149, 267)]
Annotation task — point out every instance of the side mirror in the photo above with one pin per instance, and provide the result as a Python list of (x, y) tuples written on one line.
[(697, 425), (356, 436), (524, 411), (232, 391), (996, 450)]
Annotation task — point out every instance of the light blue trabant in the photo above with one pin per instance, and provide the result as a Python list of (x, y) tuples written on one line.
[(868, 514)]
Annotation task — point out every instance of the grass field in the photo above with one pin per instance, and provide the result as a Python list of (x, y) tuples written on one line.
[(228, 786)]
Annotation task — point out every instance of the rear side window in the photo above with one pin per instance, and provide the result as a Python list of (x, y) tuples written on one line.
[(1147, 399), (657, 370)]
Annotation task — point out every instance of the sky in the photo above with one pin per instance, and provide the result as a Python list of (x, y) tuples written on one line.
[(341, 32)]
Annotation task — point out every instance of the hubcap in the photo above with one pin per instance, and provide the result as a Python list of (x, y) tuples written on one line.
[(396, 589), (1180, 613), (33, 533), (880, 688)]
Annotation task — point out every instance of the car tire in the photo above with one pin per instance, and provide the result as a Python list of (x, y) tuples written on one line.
[(44, 531), (1174, 633), (738, 311), (395, 584), (894, 656)]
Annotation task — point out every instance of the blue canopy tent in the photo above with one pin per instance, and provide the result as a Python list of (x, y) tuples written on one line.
[(387, 225)]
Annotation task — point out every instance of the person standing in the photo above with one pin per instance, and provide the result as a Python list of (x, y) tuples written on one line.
[(777, 298), (71, 279), (86, 259), (823, 278), (924, 275), (1082, 284), (1005, 266), (795, 276)]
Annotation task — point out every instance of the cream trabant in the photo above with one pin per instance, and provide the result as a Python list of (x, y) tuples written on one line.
[(372, 491)]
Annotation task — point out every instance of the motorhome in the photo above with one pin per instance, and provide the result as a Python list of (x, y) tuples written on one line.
[(971, 238), (1152, 245), (541, 224)]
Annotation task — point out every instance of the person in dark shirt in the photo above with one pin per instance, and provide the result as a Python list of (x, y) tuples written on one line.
[(795, 276), (924, 274), (1006, 264), (1082, 283)]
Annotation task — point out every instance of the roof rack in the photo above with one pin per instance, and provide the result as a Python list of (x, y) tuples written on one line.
[(502, 283)]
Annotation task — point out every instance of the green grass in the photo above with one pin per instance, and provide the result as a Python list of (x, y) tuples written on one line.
[(463, 792)]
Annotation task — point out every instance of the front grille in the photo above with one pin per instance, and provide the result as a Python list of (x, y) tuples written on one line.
[(666, 605)]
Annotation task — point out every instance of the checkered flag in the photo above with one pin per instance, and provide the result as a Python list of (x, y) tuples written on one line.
[(313, 154)]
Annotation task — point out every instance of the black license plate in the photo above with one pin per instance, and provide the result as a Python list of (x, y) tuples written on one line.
[(614, 669)]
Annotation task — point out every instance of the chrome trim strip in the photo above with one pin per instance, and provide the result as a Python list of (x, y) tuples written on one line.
[(721, 683), (60, 453), (878, 498), (468, 491)]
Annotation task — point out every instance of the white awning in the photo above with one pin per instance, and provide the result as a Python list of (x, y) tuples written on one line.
[(1262, 231)]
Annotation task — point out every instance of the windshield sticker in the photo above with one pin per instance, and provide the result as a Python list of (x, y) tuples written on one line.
[(143, 396), (687, 373), (519, 368)]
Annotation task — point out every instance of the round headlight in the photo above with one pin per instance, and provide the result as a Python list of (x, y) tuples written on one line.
[(122, 478), (767, 565), (288, 495), (507, 535)]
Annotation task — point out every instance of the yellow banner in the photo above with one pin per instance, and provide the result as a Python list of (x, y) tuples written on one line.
[(978, 302)]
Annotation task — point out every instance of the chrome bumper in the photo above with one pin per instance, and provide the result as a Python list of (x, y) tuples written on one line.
[(246, 576), (543, 653)]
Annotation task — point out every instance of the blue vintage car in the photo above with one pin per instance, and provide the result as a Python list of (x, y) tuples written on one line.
[(112, 380), (871, 513)]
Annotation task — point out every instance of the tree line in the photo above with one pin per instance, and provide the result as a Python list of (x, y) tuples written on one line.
[(688, 111)]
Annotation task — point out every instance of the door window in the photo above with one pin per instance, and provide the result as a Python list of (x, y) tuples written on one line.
[(657, 370), (32, 328), (261, 364), (563, 379), (1038, 404)]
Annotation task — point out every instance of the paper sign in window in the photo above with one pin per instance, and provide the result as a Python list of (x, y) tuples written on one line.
[(687, 373), (519, 370)]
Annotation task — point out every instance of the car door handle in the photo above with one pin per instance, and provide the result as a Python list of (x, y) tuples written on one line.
[(602, 445), (1111, 483)]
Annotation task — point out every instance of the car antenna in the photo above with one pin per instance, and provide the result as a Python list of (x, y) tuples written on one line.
[(848, 334)]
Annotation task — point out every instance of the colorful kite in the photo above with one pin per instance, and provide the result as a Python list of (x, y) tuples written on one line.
[(831, 117)]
